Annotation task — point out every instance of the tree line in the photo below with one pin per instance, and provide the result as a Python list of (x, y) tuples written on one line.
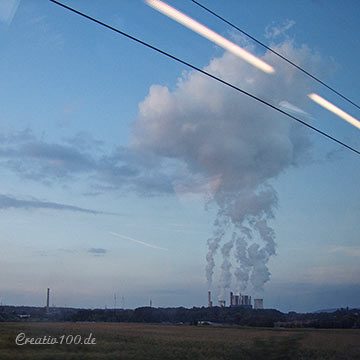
[(233, 316)]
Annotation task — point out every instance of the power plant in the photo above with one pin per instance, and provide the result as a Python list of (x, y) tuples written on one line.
[(240, 300)]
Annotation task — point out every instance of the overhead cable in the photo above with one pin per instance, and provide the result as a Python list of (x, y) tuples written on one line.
[(278, 54), (207, 74)]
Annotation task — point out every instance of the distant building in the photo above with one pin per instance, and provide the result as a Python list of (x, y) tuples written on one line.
[(240, 300), (258, 304)]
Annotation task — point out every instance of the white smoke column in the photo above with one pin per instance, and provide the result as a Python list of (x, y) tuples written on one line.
[(249, 212), (210, 131), (267, 234), (242, 271), (220, 226), (225, 276), (260, 273)]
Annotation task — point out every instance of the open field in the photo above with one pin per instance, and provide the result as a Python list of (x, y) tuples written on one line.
[(152, 341)]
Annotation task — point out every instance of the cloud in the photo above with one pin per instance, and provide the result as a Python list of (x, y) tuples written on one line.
[(272, 32), (55, 159), (97, 251), (177, 142), (10, 202), (353, 251), (208, 131), (9, 136), (214, 140), (84, 140), (33, 158), (135, 170), (23, 153), (7, 10)]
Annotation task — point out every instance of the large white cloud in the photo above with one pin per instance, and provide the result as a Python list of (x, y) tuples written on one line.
[(219, 136), (217, 131)]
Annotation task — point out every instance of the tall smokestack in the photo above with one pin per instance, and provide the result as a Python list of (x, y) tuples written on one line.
[(209, 299), (47, 300)]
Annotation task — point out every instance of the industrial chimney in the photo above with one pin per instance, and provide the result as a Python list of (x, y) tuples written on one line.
[(47, 300), (209, 299)]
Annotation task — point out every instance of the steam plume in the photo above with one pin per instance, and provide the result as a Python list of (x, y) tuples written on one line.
[(225, 278), (206, 131)]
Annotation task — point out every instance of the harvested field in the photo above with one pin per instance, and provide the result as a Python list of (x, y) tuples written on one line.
[(157, 342)]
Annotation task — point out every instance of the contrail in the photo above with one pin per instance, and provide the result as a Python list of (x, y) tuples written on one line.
[(137, 241)]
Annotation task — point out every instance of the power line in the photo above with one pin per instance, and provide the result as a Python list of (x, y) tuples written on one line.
[(207, 74), (276, 53)]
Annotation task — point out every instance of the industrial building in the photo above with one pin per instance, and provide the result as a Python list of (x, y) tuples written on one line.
[(258, 304), (240, 300)]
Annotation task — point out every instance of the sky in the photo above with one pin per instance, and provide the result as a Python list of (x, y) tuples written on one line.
[(124, 172)]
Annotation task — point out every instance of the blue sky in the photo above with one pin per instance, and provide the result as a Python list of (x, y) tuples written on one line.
[(99, 135)]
